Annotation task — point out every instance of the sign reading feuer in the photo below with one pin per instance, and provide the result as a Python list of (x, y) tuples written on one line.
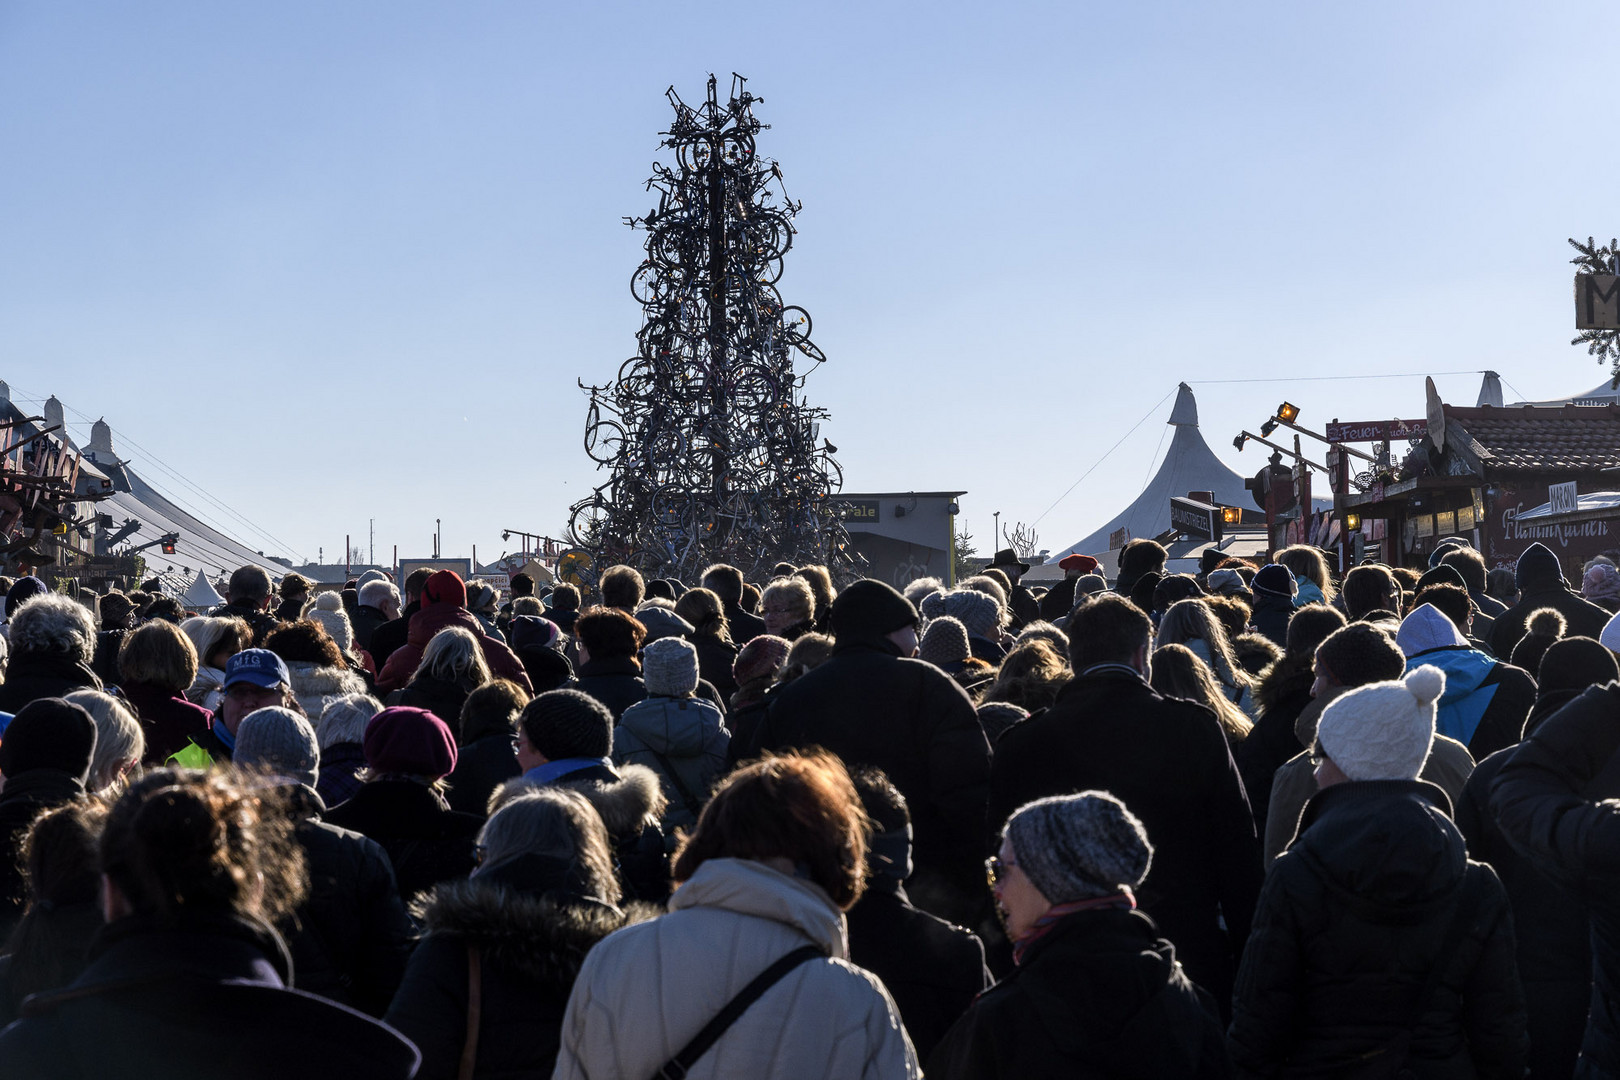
[(1376, 430), (1597, 302)]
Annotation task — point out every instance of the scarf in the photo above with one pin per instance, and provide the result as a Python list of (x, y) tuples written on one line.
[(1057, 912)]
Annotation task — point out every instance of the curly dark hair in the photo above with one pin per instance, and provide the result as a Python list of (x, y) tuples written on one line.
[(305, 640)]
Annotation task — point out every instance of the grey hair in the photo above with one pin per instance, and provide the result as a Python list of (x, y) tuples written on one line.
[(52, 623), (119, 738), (481, 595), (453, 655), (345, 718), (205, 632), (795, 588), (557, 822), (374, 593), (921, 587), (528, 605), (1045, 631)]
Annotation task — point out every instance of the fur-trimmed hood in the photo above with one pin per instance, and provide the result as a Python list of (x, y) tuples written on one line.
[(541, 938), (314, 685), (1288, 677), (626, 805)]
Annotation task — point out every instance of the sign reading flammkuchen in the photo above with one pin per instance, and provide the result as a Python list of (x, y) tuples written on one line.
[(1597, 302)]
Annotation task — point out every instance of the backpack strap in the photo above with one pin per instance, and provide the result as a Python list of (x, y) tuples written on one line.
[(475, 1012), (676, 1067)]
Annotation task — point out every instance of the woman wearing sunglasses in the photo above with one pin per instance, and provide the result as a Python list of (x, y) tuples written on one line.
[(1094, 990)]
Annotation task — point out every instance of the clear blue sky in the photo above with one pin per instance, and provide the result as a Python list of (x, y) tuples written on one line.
[(335, 261)]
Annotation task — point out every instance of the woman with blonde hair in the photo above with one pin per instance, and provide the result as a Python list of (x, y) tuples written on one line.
[(157, 664), (1310, 569), (1193, 624), (821, 584), (216, 640), (789, 608), (120, 742), (1177, 671), (452, 667), (1031, 676), (712, 637)]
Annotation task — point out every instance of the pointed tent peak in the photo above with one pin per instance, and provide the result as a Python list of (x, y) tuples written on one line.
[(53, 411), (5, 391), (1185, 414), (1490, 391), (101, 438), (201, 595)]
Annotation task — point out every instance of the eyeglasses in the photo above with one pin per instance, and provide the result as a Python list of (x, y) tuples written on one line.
[(996, 868)]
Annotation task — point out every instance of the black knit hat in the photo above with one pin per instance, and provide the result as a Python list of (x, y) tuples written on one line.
[(49, 733), (1574, 664), (568, 724), (871, 609), (1174, 587), (1441, 574), (1537, 565)]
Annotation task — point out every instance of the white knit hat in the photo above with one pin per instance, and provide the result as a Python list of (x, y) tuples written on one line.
[(1610, 637), (327, 609), (1383, 731)]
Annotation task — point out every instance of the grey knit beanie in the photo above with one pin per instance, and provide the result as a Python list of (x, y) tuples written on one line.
[(978, 612), (944, 642), (278, 741), (1079, 847), (669, 667)]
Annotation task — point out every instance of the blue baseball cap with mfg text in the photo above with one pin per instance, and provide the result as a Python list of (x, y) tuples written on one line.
[(261, 667)]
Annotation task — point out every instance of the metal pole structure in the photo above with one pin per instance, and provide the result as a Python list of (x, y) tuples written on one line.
[(396, 565), (437, 527), (371, 545), (995, 537), (347, 548), (475, 559)]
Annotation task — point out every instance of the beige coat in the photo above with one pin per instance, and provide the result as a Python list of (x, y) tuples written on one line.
[(645, 991)]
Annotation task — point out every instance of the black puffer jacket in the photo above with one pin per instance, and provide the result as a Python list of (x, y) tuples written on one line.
[(31, 676), (1167, 760), (531, 938), (426, 841), (1099, 996), (1271, 615), (440, 697), (1352, 918), (1545, 799), (351, 937), (1549, 920), (715, 658), (871, 707), (485, 761), (1585, 618)]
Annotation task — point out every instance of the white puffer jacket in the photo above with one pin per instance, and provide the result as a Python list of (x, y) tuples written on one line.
[(646, 990)]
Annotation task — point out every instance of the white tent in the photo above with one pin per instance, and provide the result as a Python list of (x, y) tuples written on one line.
[(201, 596), (1601, 394)]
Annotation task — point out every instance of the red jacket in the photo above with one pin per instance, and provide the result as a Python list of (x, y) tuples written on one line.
[(402, 664)]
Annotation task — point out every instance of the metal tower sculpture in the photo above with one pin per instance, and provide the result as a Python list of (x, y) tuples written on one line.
[(713, 455)]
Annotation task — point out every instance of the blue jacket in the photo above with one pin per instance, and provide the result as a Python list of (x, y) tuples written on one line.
[(1485, 701), (684, 741)]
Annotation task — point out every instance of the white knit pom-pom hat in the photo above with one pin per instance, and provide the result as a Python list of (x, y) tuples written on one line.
[(1383, 731)]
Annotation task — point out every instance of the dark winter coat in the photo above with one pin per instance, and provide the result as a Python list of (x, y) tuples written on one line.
[(1485, 701), (548, 669), (426, 841), (531, 940), (1280, 695), (261, 622), (1270, 617), (1023, 607), (168, 720), (481, 766), (615, 682), (338, 779), (715, 658), (366, 621), (351, 937), (1351, 920), (1545, 800), (684, 741), (872, 707), (1168, 761), (744, 627), (1099, 996), (403, 662), (391, 635), (440, 697), (199, 1002), (32, 675), (65, 938), (1585, 618), (932, 969), (1550, 922), (25, 797), (105, 662), (1059, 600)]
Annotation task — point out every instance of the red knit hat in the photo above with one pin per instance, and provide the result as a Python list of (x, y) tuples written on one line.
[(412, 742), (445, 587), (1083, 563)]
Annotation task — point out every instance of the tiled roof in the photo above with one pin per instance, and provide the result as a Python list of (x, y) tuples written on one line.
[(1573, 438)]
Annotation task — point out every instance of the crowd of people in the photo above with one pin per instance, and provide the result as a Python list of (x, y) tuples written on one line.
[(1262, 819)]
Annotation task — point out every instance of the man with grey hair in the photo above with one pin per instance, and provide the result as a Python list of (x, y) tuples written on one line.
[(350, 937), (379, 603), (248, 597)]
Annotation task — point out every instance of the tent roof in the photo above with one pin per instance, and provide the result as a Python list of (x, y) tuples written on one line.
[(202, 595), (1189, 465)]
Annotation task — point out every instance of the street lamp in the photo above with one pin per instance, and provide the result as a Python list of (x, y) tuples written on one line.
[(1287, 412)]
